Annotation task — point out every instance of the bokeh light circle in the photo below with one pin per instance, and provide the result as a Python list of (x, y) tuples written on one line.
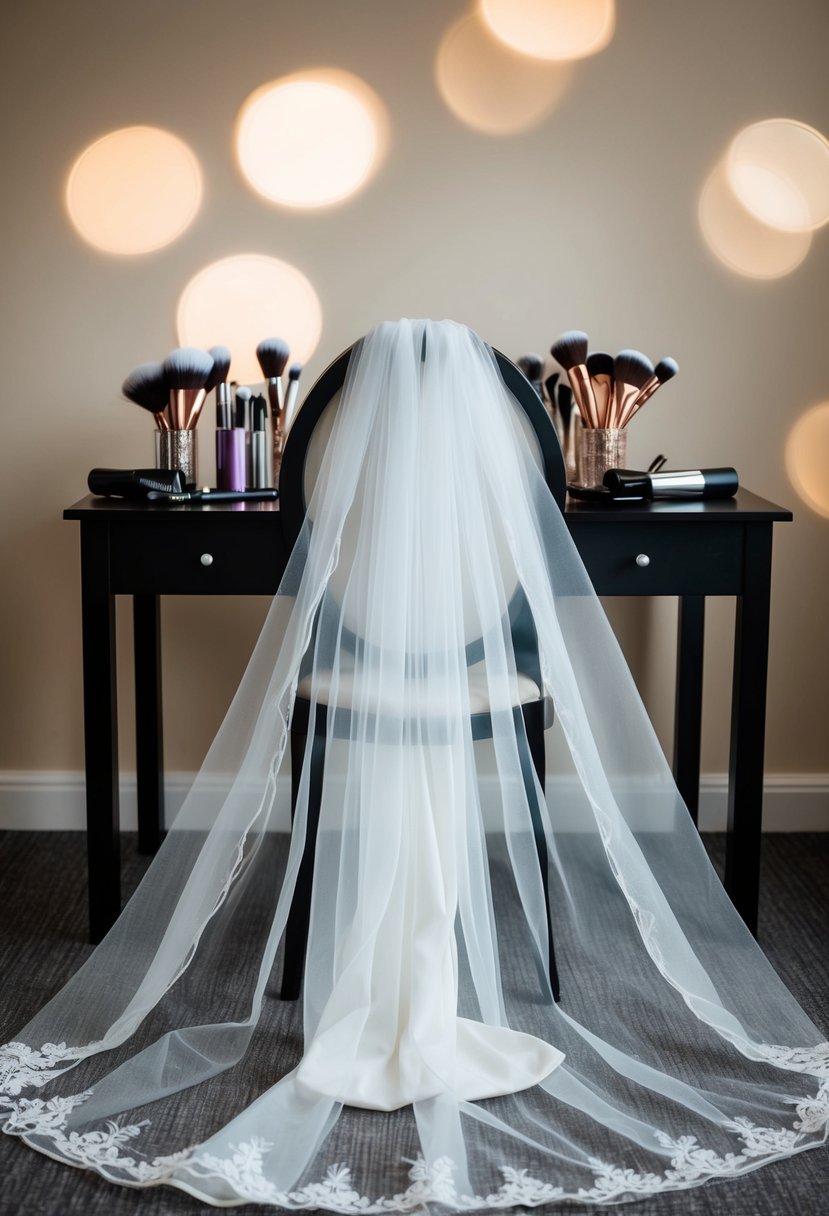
[(552, 29), (311, 139), (807, 458), (490, 87), (134, 190), (239, 300), (779, 170), (742, 242)]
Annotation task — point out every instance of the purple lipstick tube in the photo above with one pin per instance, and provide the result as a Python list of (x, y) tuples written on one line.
[(230, 459)]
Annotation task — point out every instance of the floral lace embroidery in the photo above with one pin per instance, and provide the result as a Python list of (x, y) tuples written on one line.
[(243, 1170), (22, 1066)]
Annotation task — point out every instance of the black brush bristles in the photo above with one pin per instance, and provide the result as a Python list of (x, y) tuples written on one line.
[(565, 405), (272, 354), (294, 373), (187, 367), (570, 349), (666, 369), (146, 385), (632, 367), (532, 366), (600, 364), (221, 366), (550, 385), (186, 370), (241, 409), (600, 369)]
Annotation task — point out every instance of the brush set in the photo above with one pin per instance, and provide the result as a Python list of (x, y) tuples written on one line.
[(602, 394), (609, 389), (175, 391)]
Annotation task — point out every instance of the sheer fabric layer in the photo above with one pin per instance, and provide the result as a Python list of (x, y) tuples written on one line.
[(428, 1064)]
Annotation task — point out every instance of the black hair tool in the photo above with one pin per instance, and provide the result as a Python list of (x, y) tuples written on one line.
[(676, 483), (135, 483)]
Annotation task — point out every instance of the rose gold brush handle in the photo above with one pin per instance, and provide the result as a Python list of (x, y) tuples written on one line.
[(603, 396), (624, 395), (645, 394), (276, 400), (583, 394), (185, 407)]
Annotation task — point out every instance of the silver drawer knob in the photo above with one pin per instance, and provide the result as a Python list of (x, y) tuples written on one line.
[(207, 559), (642, 559)]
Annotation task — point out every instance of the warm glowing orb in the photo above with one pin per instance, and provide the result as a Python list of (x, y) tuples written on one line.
[(240, 300), (779, 170), (134, 190), (741, 241), (310, 139), (807, 458), (491, 88), (552, 29)]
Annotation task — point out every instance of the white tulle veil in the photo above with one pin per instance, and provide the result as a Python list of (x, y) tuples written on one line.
[(427, 1063)]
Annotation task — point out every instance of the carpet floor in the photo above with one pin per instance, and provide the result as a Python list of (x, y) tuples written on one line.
[(42, 942)]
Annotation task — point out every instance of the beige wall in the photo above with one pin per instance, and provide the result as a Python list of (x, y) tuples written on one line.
[(588, 220)]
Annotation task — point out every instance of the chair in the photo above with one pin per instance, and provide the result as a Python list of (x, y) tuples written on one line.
[(300, 467)]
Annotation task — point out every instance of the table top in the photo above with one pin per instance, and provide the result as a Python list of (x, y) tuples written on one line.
[(745, 507)]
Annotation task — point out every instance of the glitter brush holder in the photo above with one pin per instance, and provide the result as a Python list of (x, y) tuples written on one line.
[(178, 450), (599, 449)]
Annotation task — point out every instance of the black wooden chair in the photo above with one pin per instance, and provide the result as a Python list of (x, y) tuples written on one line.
[(300, 467)]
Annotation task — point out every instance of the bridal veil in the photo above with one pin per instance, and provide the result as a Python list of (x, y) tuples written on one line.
[(427, 1064)]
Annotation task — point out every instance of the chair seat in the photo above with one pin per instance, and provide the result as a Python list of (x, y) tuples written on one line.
[(423, 698)]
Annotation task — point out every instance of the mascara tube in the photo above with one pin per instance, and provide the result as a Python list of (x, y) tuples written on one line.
[(260, 463)]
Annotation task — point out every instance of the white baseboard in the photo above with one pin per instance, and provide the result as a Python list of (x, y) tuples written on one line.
[(48, 801)]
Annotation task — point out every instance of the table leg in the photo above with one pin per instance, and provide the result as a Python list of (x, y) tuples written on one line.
[(748, 720), (100, 713), (149, 746), (688, 715)]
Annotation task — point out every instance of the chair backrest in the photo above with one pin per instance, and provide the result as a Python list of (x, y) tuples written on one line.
[(312, 427), (305, 448)]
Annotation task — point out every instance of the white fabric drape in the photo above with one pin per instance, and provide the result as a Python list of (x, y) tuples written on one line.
[(428, 1064)]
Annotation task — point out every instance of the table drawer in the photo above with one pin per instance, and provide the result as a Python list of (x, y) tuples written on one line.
[(682, 559), (212, 556)]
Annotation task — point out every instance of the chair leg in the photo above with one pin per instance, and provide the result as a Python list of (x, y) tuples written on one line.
[(296, 927), (534, 725)]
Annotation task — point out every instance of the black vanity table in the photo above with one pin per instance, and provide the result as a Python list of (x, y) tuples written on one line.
[(147, 550)]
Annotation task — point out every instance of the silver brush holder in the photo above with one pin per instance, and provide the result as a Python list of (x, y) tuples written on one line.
[(599, 449), (178, 450)]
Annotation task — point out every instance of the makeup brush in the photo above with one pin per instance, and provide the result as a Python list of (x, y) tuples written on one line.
[(665, 370), (565, 410), (240, 413), (221, 366), (631, 370), (550, 385), (533, 368), (186, 371), (147, 387), (570, 350), (600, 370), (294, 373), (218, 379), (272, 354)]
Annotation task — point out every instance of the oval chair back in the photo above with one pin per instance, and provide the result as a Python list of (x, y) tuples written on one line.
[(301, 463), (313, 423)]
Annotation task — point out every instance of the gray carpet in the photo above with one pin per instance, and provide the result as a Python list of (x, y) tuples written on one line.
[(42, 941)]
